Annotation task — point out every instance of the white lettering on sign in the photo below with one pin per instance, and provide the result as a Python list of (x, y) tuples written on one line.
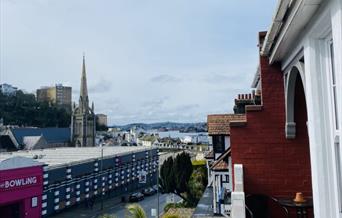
[(18, 182)]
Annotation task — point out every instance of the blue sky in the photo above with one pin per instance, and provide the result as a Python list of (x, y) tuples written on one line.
[(147, 60)]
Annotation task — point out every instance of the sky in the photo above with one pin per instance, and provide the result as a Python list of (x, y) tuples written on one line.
[(147, 60)]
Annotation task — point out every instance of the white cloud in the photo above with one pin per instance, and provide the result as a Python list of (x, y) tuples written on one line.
[(204, 52)]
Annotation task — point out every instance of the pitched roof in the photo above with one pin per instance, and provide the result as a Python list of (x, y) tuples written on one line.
[(150, 138), (218, 124), (220, 163), (34, 142), (51, 135)]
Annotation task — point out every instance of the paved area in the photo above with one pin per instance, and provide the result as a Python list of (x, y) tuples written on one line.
[(204, 206), (114, 207)]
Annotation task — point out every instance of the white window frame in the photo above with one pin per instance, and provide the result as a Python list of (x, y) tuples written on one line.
[(333, 88), (34, 202)]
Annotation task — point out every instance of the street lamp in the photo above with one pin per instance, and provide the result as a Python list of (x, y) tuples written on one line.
[(156, 163), (101, 171), (156, 167)]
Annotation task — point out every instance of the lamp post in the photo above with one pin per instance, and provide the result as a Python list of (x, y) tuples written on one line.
[(156, 165), (101, 169), (157, 181)]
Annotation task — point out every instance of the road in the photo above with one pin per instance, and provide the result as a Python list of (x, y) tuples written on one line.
[(148, 203), (111, 207)]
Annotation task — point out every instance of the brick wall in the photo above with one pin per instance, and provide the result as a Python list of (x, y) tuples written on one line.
[(272, 164)]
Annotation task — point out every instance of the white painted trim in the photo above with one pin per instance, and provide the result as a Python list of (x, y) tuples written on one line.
[(315, 24), (326, 20), (290, 86), (321, 149)]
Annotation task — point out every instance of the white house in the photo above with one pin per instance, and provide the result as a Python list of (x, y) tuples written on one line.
[(219, 161), (305, 38), (8, 89)]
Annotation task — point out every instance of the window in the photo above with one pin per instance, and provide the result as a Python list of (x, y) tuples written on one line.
[(339, 172), (218, 143), (34, 202), (333, 84), (335, 122)]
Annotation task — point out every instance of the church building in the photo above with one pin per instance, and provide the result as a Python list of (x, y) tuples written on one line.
[(83, 117)]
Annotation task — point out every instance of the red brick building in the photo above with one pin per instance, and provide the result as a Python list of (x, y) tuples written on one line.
[(273, 164), (291, 141)]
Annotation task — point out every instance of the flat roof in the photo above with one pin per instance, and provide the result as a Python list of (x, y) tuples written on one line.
[(55, 157)]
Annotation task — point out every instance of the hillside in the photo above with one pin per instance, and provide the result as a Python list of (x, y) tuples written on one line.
[(166, 126), (23, 110)]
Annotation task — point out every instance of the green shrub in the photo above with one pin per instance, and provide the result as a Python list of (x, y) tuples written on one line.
[(171, 216), (198, 162), (107, 216), (174, 205)]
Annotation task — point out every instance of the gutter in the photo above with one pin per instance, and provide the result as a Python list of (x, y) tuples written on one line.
[(290, 18), (256, 78), (277, 22)]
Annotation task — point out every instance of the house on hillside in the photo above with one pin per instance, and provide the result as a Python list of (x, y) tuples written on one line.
[(219, 163), (148, 140)]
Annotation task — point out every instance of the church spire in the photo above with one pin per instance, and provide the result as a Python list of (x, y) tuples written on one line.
[(84, 90)]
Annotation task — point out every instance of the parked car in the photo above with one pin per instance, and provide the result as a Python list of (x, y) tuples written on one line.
[(135, 197), (155, 187), (149, 191)]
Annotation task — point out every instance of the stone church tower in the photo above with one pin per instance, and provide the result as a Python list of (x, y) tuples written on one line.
[(83, 117)]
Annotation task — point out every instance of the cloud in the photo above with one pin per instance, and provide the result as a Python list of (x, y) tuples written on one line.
[(147, 60), (165, 78), (186, 107), (156, 103), (102, 86), (217, 78)]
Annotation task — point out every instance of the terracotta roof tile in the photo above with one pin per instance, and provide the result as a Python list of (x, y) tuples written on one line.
[(218, 124), (221, 165)]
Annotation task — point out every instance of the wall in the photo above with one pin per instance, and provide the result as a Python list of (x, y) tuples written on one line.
[(272, 164), (22, 193), (86, 181)]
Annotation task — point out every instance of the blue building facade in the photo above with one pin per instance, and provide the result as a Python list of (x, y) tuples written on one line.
[(75, 183)]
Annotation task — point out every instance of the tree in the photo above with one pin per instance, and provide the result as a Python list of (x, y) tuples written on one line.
[(197, 184), (167, 176), (136, 211), (175, 174), (182, 168), (24, 110)]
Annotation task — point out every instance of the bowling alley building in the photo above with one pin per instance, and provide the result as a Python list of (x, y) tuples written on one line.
[(40, 183)]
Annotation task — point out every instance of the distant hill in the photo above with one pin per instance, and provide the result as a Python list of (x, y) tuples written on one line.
[(167, 126)]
